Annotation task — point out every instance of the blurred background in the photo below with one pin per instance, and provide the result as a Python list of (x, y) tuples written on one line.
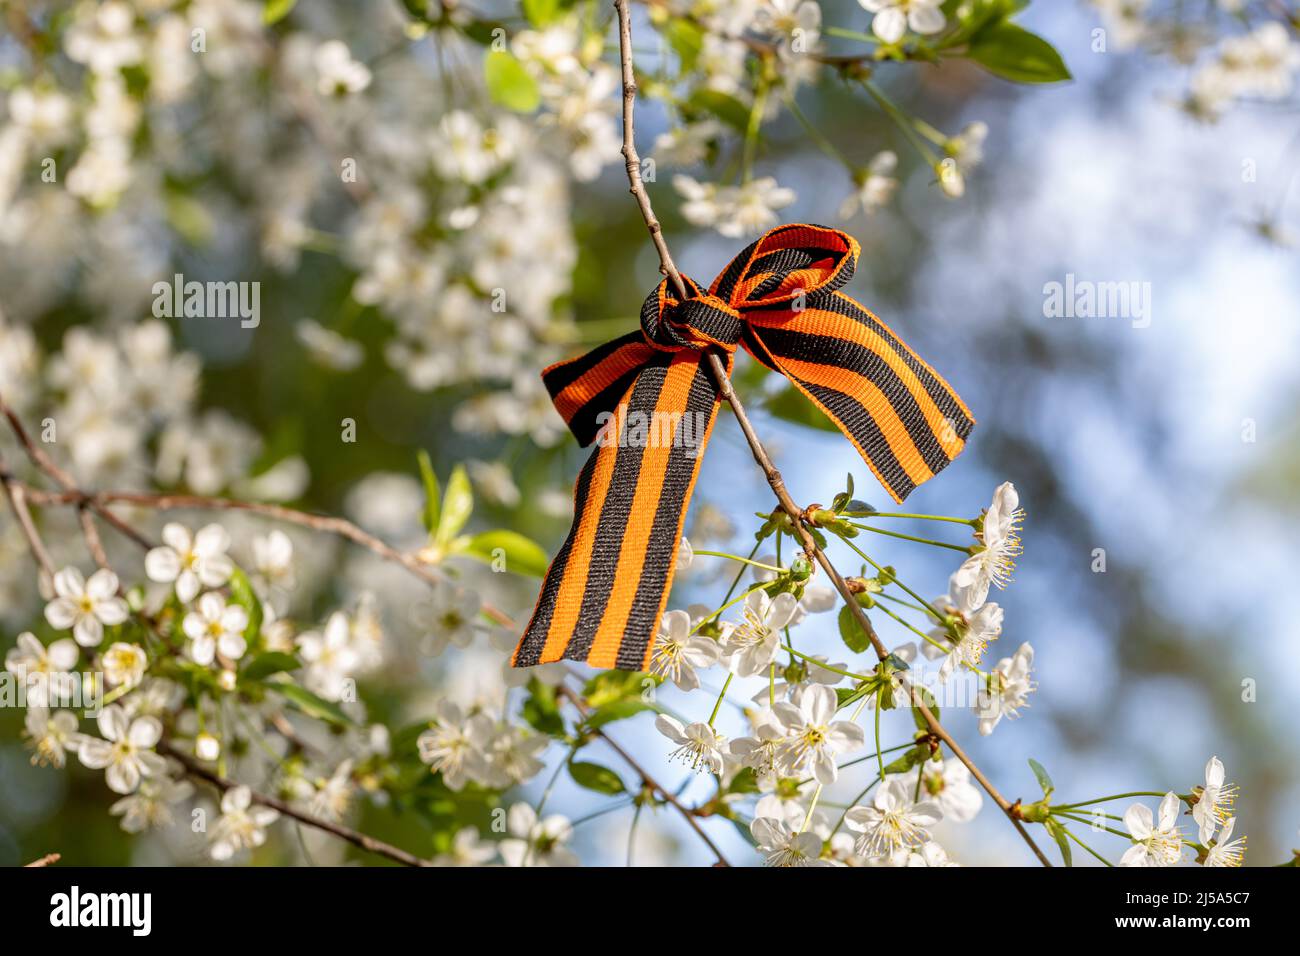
[(1168, 444)]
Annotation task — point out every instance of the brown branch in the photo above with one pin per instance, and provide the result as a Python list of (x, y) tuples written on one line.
[(93, 543), (774, 479), (48, 859), (16, 494), (367, 843), (99, 502), (46, 464), (328, 524), (647, 781)]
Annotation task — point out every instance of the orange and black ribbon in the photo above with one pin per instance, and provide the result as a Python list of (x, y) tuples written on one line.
[(649, 400)]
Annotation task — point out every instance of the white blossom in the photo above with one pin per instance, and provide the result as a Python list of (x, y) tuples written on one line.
[(86, 606), (875, 185), (813, 737), (45, 672), (466, 849), (1006, 690), (150, 807), (242, 824), (192, 562), (1155, 843), (126, 750), (893, 18), (455, 745), (124, 664), (678, 652), (1226, 851), (450, 618), (782, 846), (750, 646), (215, 627), (893, 821), (999, 537), (948, 783), (1214, 801), (51, 735), (330, 657), (337, 72), (698, 745), (534, 842)]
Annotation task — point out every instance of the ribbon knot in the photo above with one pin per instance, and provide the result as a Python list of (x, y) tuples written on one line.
[(649, 401), (699, 321)]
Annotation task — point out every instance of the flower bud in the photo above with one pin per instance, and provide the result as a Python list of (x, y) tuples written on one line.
[(207, 747)]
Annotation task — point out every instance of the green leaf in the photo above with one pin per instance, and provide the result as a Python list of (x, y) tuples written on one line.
[(791, 405), (273, 11), (909, 759), (264, 665), (457, 506), (432, 492), (687, 40), (745, 781), (1057, 830), (842, 499), (542, 13), (618, 710), (300, 698), (726, 108), (522, 555), (541, 709), (242, 593), (855, 638), (595, 777), (419, 10), (189, 218), (928, 699), (848, 695), (609, 686), (510, 84), (1044, 780), (1015, 54)]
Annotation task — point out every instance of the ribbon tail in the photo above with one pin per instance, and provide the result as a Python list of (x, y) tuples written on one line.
[(605, 591), (906, 421), (587, 388)]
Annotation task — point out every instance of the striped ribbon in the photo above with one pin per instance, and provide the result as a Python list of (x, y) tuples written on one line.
[(649, 401)]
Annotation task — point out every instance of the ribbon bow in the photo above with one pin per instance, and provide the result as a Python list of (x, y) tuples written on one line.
[(649, 401)]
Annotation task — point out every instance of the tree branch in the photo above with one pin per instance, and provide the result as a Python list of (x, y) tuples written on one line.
[(774, 479), (16, 494), (99, 502), (647, 781), (367, 843)]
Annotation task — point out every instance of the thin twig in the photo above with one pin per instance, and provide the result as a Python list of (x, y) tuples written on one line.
[(16, 493), (93, 543), (649, 782), (46, 464), (367, 843), (99, 503), (328, 524), (48, 859), (774, 479)]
